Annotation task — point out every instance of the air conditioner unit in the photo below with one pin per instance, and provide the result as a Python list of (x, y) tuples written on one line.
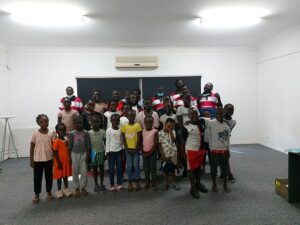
[(150, 62)]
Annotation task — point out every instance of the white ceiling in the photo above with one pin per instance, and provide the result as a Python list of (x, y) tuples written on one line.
[(150, 23)]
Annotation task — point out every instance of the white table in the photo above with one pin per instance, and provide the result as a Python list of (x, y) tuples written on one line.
[(11, 147)]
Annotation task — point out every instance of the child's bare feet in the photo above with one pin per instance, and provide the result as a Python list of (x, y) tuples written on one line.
[(77, 193)]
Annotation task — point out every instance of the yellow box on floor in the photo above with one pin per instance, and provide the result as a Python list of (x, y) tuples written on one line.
[(282, 187)]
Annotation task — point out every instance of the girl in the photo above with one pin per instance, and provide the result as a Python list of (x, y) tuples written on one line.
[(114, 146), (41, 156), (112, 110), (168, 151), (194, 149), (97, 137), (148, 111), (149, 147), (80, 148), (131, 134), (133, 102), (62, 168), (123, 119)]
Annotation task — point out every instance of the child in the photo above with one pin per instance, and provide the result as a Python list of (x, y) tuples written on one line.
[(131, 134), (168, 109), (80, 147), (228, 112), (97, 137), (62, 168), (182, 116), (88, 113), (114, 146), (206, 116), (168, 151), (112, 110), (123, 119), (66, 115), (41, 156), (194, 149), (219, 133), (133, 102), (148, 111), (149, 147)]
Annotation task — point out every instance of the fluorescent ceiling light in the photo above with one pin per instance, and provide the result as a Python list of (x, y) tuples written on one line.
[(45, 14), (231, 17)]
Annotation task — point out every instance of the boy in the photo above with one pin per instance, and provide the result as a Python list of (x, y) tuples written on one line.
[(228, 112), (80, 148), (219, 134), (97, 137)]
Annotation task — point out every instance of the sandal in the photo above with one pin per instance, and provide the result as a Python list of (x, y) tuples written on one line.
[(36, 200), (50, 198)]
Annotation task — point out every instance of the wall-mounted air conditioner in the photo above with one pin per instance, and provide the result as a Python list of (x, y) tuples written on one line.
[(150, 62)]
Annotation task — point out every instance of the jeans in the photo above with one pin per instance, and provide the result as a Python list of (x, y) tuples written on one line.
[(115, 160), (132, 161)]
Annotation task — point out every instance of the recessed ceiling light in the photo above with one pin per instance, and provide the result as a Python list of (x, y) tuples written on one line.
[(231, 17), (45, 14)]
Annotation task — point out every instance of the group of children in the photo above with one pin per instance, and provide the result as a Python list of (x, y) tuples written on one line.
[(177, 136)]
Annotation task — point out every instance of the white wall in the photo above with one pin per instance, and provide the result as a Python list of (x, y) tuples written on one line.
[(5, 106), (40, 76), (278, 82)]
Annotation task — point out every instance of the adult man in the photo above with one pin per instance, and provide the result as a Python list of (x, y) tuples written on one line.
[(76, 103), (209, 101)]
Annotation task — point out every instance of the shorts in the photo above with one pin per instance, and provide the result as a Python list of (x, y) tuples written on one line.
[(173, 159), (194, 159), (97, 159)]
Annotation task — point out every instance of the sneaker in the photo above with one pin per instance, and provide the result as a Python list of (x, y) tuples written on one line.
[(77, 193), (112, 189), (194, 192), (96, 188), (67, 192), (102, 187), (59, 194), (175, 187), (84, 192), (201, 187), (119, 187), (231, 179)]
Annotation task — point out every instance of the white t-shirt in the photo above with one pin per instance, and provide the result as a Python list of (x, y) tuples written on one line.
[(193, 141), (114, 141)]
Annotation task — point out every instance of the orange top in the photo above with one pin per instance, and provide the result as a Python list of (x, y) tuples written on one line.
[(61, 147)]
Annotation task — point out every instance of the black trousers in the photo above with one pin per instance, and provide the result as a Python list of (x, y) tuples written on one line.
[(38, 169), (218, 160)]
